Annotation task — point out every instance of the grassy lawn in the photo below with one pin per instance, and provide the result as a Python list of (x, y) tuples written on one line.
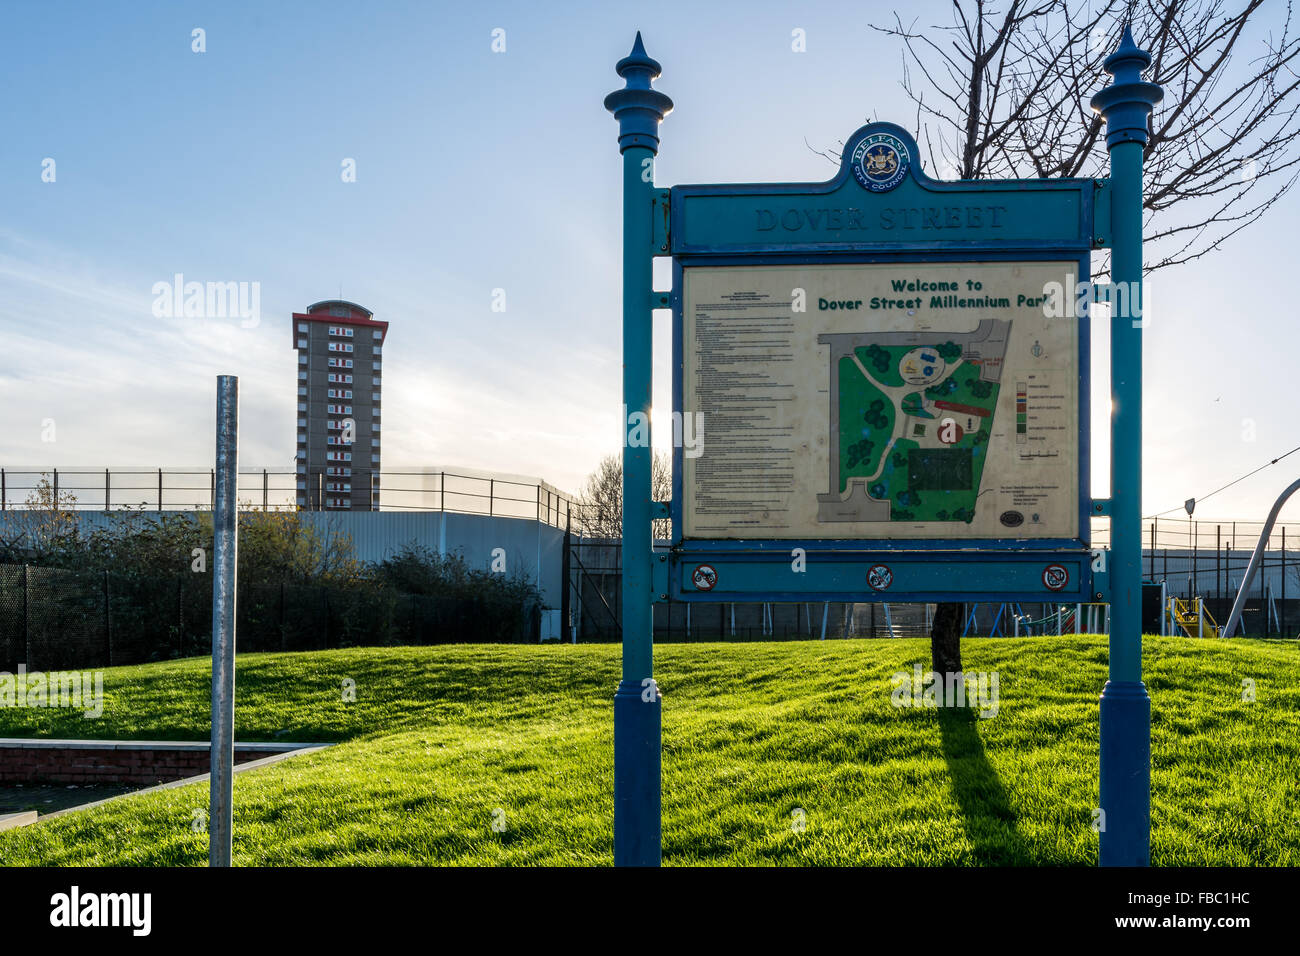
[(442, 741)]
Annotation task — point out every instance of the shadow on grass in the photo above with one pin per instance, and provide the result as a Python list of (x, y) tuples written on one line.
[(989, 820)]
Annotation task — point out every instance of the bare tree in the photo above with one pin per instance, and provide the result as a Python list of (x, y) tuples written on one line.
[(601, 500), (1003, 91), (47, 525)]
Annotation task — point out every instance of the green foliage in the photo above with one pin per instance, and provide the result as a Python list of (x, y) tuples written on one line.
[(44, 528), (274, 546), (875, 415), (299, 588), (419, 570), (508, 599), (859, 452)]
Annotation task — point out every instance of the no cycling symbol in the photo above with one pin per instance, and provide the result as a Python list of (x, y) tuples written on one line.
[(880, 577), (1055, 577), (704, 577)]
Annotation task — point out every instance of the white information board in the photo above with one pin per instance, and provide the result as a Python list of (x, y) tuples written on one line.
[(881, 401)]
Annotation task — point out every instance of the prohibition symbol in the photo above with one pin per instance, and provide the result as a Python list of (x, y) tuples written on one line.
[(880, 577), (704, 577), (1055, 577)]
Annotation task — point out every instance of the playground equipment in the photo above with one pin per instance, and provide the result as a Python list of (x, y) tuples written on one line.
[(1094, 618), (1191, 616), (971, 621), (1079, 618), (1234, 618)]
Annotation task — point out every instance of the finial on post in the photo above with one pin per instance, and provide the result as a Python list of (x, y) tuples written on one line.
[(638, 108), (1127, 103)]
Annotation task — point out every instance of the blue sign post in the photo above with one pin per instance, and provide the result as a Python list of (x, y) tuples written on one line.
[(897, 410), (639, 110), (1125, 707)]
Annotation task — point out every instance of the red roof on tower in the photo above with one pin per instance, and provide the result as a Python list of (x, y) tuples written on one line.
[(338, 312)]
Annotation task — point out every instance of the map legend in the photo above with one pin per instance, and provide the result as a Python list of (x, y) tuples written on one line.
[(1022, 412)]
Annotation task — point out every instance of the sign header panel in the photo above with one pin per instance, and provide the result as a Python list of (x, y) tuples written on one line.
[(882, 200)]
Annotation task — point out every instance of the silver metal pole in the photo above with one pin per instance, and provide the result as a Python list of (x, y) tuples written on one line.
[(1239, 604), (224, 563)]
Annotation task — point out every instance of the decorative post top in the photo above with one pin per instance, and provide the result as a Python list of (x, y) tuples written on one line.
[(638, 108), (1127, 103)]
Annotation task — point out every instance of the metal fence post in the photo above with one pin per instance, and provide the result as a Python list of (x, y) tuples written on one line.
[(566, 574), (160, 490), (639, 109), (225, 564), (106, 489), (180, 616), (1125, 840), (108, 620), (27, 619), (1154, 523)]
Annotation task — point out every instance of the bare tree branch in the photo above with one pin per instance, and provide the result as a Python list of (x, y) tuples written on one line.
[(1002, 92)]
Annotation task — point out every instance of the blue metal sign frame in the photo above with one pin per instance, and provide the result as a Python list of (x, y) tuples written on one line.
[(1126, 106), (1049, 220)]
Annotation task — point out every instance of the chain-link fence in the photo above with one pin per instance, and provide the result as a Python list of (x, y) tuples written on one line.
[(56, 619)]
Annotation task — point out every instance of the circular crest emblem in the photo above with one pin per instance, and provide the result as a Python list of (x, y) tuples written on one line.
[(880, 162), (704, 577)]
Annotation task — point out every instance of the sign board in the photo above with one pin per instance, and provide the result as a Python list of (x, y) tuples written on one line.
[(887, 382), (880, 401), (877, 412)]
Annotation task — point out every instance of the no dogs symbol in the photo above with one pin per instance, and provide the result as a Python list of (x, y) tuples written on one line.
[(1055, 577), (704, 577), (880, 577)]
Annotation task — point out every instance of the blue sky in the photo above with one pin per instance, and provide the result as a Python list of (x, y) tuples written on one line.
[(475, 171)]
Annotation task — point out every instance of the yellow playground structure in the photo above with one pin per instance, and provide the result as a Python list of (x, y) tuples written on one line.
[(1191, 615)]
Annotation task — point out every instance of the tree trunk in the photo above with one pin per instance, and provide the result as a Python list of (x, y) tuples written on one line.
[(945, 639)]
